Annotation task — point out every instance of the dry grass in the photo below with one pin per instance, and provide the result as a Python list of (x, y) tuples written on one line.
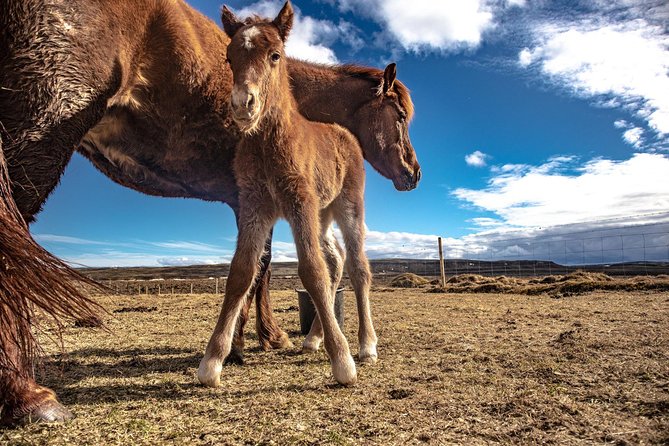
[(454, 368), (578, 282), (408, 280)]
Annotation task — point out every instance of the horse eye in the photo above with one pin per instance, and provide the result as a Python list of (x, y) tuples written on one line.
[(275, 57)]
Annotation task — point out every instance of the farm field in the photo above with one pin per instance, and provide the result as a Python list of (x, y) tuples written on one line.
[(454, 368)]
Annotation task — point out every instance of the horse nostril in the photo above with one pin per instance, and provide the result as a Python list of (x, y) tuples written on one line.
[(418, 174), (250, 100)]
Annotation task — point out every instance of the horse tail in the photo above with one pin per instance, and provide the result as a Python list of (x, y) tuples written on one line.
[(31, 280)]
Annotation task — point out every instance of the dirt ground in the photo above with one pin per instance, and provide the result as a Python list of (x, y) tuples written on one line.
[(453, 369)]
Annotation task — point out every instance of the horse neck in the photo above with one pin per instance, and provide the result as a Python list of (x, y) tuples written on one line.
[(328, 95), (282, 114)]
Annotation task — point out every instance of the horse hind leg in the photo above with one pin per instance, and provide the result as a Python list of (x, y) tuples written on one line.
[(313, 272), (357, 267), (270, 334), (29, 277), (334, 258)]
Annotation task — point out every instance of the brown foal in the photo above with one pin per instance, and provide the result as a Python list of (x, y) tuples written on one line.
[(307, 172)]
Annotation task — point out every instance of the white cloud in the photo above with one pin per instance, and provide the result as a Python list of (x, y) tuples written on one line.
[(86, 252), (444, 25), (190, 246), (525, 57), (53, 238), (378, 245), (562, 192), (310, 38), (624, 64), (428, 25), (621, 124), (633, 136), (476, 159)]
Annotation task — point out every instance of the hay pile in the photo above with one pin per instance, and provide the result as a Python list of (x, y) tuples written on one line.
[(578, 282), (408, 280)]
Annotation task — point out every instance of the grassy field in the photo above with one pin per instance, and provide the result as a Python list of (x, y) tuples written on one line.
[(454, 368)]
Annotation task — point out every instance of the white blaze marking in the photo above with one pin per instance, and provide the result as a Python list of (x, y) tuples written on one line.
[(249, 34)]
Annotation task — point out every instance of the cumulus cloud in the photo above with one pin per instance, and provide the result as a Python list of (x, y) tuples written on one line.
[(622, 63), (310, 39), (561, 191), (476, 159), (426, 25)]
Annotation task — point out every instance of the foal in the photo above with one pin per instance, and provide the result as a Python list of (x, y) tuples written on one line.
[(307, 172)]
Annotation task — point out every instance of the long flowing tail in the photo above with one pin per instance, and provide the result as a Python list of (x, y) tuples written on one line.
[(31, 279)]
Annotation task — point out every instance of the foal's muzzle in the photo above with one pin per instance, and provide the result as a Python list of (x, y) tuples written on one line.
[(245, 107)]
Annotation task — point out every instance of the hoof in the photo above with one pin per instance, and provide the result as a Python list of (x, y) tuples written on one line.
[(50, 411), (209, 372), (368, 360), (281, 342), (311, 345), (235, 357), (345, 373)]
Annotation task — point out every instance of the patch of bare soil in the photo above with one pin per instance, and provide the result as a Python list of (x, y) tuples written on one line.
[(454, 369), (578, 282)]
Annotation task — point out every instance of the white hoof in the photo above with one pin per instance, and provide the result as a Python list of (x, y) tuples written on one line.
[(344, 372), (311, 345), (368, 354), (209, 372)]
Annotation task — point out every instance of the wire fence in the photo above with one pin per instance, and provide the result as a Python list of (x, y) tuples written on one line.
[(626, 251)]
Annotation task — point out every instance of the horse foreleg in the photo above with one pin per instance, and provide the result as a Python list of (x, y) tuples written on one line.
[(243, 271)]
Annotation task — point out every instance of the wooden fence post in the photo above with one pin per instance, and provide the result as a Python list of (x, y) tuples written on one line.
[(216, 285), (441, 264), (191, 287)]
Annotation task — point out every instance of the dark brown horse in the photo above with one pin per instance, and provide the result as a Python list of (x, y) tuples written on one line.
[(138, 86), (307, 172)]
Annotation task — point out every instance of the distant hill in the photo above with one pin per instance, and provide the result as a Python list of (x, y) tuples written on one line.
[(388, 267)]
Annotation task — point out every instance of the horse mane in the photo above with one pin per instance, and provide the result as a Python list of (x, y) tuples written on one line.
[(376, 75)]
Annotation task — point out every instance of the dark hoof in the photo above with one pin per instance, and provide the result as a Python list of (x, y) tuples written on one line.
[(281, 342), (235, 357), (50, 411)]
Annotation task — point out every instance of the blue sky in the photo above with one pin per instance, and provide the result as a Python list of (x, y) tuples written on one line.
[(529, 114)]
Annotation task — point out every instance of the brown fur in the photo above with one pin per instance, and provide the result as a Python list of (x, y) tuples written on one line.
[(138, 88), (307, 172)]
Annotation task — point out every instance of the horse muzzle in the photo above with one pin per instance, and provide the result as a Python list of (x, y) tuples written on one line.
[(409, 180)]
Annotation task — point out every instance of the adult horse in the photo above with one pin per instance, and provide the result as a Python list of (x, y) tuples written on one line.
[(137, 86)]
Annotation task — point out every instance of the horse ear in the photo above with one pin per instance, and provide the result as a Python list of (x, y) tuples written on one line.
[(389, 76), (284, 21), (230, 22)]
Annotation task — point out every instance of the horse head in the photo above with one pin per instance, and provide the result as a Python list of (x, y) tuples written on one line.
[(381, 124), (257, 60)]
